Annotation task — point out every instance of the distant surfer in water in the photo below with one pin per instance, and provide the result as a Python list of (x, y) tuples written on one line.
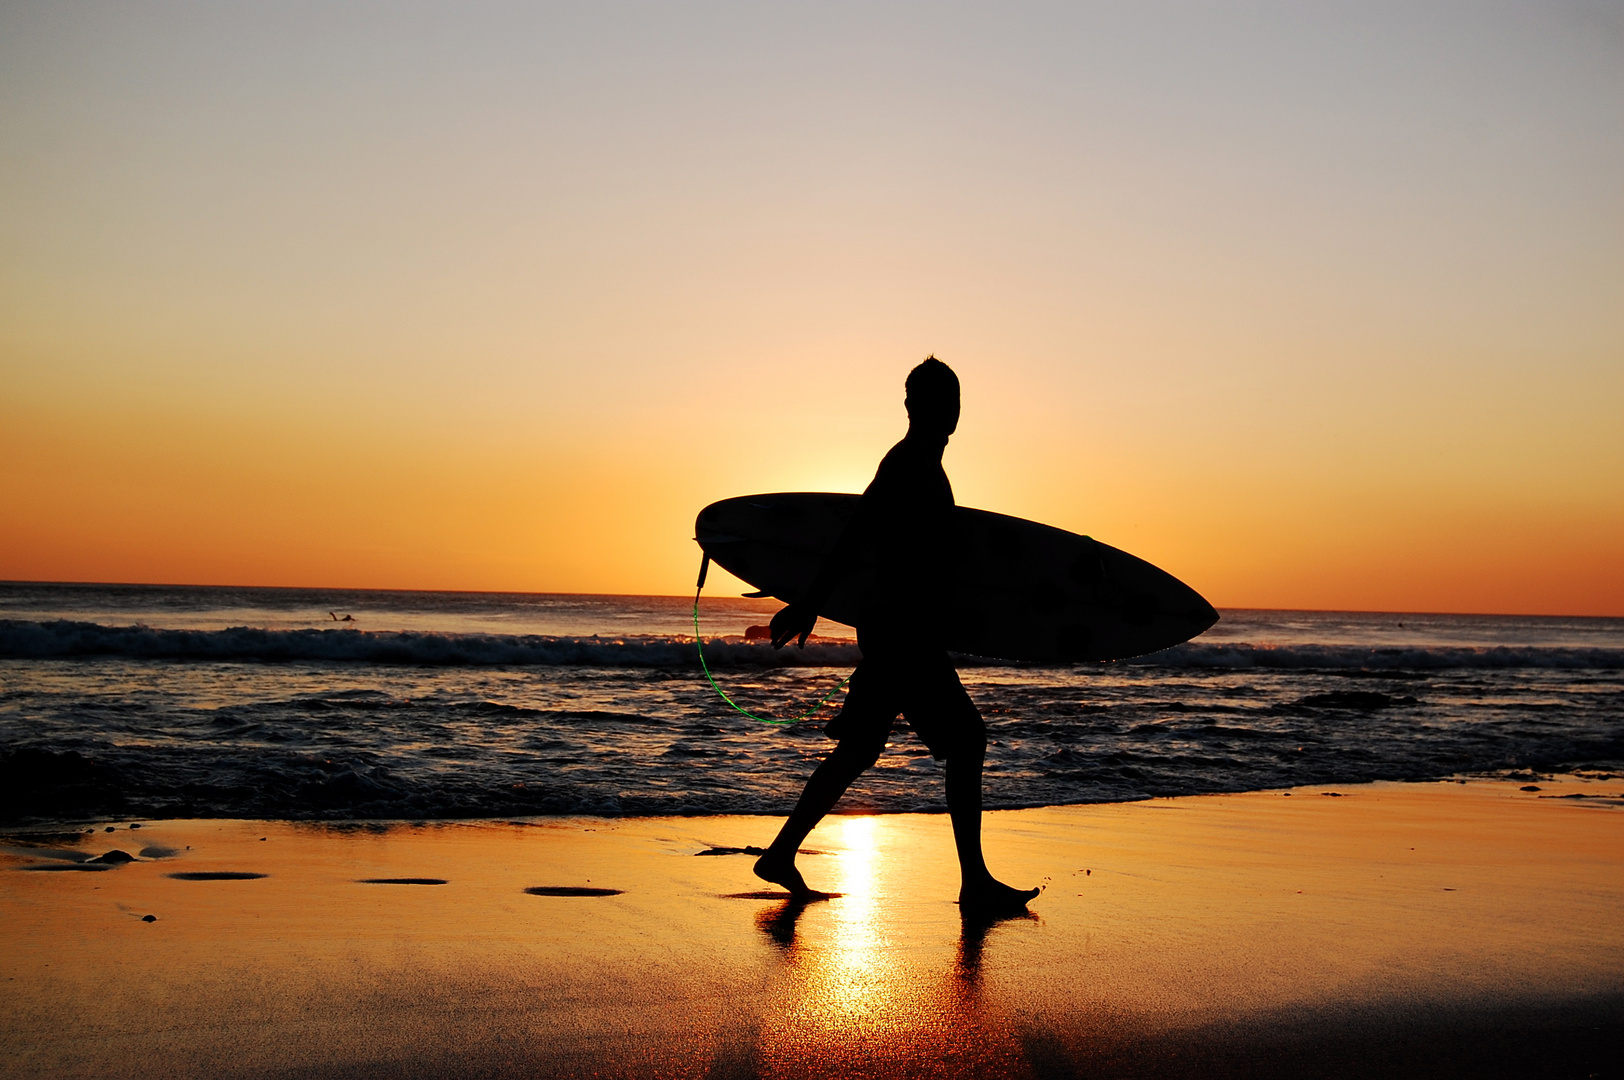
[(904, 521)]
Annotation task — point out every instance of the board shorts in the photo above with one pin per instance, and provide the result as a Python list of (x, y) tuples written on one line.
[(922, 685)]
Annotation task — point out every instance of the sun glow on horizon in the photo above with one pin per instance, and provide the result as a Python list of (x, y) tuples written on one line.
[(497, 299)]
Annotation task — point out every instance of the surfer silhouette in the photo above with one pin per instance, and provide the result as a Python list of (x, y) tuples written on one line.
[(903, 522)]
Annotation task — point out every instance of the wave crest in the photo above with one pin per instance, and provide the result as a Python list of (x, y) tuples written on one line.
[(65, 639)]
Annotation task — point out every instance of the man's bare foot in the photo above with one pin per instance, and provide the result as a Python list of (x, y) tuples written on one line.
[(993, 897), (781, 871)]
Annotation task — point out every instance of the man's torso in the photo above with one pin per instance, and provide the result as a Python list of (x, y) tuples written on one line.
[(909, 530)]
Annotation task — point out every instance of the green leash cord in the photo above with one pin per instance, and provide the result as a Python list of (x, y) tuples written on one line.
[(699, 642)]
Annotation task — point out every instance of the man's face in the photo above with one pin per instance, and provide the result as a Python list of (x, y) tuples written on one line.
[(936, 413)]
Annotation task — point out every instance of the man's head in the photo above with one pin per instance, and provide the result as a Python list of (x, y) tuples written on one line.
[(933, 398)]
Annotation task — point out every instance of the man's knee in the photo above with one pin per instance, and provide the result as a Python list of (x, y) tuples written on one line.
[(969, 743), (859, 750)]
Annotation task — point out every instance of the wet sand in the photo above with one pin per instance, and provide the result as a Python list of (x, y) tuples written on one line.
[(1395, 929)]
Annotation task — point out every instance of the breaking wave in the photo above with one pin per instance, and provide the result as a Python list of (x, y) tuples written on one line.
[(67, 640), (64, 639)]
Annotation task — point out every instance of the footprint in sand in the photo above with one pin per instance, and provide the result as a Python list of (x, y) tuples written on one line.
[(215, 875), (401, 881), (749, 850)]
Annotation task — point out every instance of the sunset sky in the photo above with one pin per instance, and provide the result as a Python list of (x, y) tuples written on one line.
[(1315, 306)]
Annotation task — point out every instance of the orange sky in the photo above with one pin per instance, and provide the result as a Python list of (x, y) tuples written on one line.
[(1311, 309)]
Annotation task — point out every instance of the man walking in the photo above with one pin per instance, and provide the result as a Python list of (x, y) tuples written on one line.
[(904, 522)]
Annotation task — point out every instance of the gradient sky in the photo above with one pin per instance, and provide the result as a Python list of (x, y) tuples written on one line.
[(1312, 305)]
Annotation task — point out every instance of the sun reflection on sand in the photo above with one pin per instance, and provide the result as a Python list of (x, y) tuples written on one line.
[(858, 996), (846, 984), (859, 838), (852, 954), (842, 983)]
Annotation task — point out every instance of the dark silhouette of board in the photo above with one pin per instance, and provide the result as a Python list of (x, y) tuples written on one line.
[(1022, 591)]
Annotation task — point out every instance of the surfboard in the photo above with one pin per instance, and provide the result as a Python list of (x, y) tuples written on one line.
[(1021, 590)]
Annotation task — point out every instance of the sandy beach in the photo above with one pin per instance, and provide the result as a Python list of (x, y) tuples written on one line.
[(1410, 929)]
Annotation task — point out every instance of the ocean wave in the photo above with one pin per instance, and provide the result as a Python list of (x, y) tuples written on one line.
[(66, 640)]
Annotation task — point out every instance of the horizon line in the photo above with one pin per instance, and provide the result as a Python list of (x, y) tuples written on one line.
[(7, 582)]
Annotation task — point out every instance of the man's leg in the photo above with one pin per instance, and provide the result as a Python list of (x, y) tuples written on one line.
[(978, 889), (855, 753), (963, 768)]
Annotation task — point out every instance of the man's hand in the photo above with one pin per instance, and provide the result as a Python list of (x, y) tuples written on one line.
[(793, 621)]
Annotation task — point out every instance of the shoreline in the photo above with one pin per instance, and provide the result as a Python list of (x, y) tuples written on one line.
[(69, 828), (1404, 929)]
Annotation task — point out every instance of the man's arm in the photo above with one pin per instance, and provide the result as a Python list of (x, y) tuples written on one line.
[(797, 619)]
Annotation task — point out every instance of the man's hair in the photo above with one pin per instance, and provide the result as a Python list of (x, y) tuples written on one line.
[(932, 381)]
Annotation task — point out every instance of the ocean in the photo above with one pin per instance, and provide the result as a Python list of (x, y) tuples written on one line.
[(123, 701)]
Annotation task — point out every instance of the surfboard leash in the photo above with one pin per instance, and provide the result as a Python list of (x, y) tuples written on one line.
[(699, 643)]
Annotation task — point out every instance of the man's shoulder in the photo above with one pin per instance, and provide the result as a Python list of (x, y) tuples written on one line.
[(898, 457), (905, 469), (900, 467)]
